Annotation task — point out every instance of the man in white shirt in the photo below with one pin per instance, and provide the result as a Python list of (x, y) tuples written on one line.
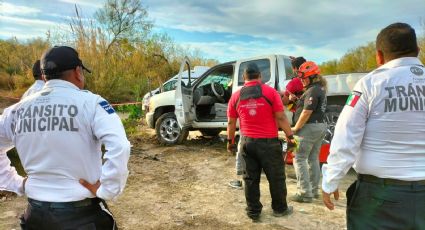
[(58, 133), (9, 178), (380, 134), (39, 82)]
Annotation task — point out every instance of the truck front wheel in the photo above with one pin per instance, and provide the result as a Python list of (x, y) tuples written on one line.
[(168, 131)]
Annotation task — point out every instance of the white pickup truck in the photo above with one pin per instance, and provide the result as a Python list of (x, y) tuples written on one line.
[(202, 105)]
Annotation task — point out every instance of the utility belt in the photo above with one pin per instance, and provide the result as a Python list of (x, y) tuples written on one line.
[(387, 181), (65, 205), (264, 140)]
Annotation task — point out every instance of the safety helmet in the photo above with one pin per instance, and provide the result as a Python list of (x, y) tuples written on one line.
[(308, 69)]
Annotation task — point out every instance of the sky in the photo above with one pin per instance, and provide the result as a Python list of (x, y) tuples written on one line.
[(229, 30)]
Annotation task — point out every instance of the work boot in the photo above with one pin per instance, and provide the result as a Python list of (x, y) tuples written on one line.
[(287, 212), (301, 199)]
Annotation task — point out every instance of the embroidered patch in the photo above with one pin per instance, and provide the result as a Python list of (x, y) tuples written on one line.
[(416, 71), (353, 98), (107, 107)]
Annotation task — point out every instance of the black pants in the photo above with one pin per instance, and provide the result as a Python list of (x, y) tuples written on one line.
[(47, 217), (263, 154), (382, 206)]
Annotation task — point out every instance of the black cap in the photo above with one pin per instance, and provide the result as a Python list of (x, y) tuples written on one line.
[(59, 59), (36, 71), (297, 62), (252, 69)]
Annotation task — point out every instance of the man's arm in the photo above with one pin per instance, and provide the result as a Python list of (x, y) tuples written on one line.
[(348, 136), (107, 127), (283, 123), (231, 129), (9, 178), (305, 115)]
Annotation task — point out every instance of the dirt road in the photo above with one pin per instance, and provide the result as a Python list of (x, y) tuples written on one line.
[(185, 187)]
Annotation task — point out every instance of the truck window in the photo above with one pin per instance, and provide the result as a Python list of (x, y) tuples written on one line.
[(263, 64), (222, 75), (171, 85)]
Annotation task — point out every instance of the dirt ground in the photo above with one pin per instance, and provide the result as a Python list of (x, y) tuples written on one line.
[(186, 187)]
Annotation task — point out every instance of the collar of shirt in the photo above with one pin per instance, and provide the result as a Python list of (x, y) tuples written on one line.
[(402, 62), (252, 83), (60, 83)]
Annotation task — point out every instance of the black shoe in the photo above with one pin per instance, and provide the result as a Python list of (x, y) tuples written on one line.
[(301, 199), (287, 212), (255, 218), (237, 184)]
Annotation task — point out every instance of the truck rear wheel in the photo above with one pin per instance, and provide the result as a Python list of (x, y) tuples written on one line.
[(168, 131)]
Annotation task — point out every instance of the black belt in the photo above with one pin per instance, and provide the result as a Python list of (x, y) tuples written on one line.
[(63, 205), (387, 181), (266, 140)]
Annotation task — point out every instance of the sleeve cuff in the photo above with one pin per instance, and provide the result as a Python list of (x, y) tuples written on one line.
[(104, 194), (328, 186)]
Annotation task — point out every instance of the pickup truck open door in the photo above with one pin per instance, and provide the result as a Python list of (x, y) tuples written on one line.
[(184, 96)]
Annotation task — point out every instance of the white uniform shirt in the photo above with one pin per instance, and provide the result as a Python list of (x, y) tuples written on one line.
[(9, 178), (37, 86), (58, 134), (381, 129)]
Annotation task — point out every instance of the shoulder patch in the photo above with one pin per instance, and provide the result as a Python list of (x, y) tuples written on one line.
[(107, 107), (353, 98)]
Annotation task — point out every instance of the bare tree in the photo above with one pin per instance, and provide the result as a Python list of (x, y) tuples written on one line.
[(123, 19)]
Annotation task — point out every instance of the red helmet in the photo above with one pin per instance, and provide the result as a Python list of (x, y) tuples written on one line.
[(308, 69)]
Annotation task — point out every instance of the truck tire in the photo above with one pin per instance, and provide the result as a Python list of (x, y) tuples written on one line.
[(331, 117), (210, 132), (168, 131)]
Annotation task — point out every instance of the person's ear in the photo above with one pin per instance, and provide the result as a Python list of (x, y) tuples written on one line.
[(380, 60), (79, 71)]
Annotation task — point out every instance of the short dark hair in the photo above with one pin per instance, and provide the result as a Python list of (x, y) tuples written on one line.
[(397, 40), (54, 76), (36, 71), (252, 71), (297, 62)]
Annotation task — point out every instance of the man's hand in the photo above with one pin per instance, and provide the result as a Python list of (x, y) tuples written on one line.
[(327, 199), (91, 187), (294, 130), (232, 148)]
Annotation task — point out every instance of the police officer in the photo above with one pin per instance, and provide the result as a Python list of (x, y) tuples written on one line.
[(260, 110), (39, 82), (310, 126), (58, 133), (380, 133)]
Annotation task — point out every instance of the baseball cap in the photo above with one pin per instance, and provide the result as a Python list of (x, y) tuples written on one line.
[(36, 71), (294, 86), (252, 68), (60, 58)]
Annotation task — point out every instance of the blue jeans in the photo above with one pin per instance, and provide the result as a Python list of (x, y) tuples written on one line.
[(240, 164), (306, 160)]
